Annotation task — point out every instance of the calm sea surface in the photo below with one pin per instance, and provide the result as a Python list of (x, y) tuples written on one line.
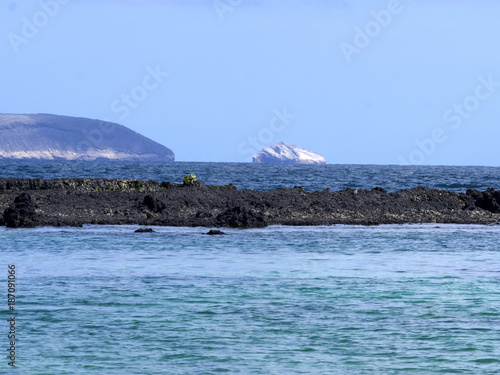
[(393, 299), (266, 176)]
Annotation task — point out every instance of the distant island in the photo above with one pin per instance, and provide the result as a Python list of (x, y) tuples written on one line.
[(286, 153), (48, 137)]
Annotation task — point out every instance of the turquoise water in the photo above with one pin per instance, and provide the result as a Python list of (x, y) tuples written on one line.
[(393, 299)]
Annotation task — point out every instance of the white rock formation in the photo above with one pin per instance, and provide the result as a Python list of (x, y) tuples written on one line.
[(286, 153)]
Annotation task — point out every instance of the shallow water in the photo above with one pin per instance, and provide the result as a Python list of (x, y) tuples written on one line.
[(392, 299)]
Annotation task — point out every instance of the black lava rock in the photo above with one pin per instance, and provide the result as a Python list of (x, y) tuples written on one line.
[(238, 217), (144, 230), (20, 214), (379, 190), (166, 185), (154, 204), (75, 202), (214, 232), (489, 200)]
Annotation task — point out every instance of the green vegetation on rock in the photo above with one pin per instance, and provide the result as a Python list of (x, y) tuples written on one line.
[(190, 180)]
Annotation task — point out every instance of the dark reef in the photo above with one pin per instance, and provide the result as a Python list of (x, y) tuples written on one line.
[(74, 202), (144, 230)]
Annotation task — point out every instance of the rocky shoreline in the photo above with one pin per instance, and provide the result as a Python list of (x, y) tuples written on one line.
[(77, 201)]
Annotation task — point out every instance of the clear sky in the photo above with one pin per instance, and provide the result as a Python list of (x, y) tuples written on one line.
[(377, 82)]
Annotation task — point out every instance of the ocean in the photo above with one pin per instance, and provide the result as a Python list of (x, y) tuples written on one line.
[(388, 299)]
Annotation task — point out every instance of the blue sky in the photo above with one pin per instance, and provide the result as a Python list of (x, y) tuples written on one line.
[(376, 82)]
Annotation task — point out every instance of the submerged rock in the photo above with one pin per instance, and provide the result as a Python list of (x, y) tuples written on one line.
[(144, 230), (286, 153), (214, 232)]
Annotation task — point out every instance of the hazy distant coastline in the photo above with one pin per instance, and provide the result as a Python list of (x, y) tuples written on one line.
[(49, 137)]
